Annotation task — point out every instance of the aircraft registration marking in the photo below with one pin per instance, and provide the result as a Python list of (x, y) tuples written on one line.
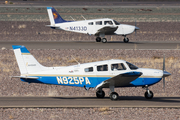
[(73, 80), (78, 28)]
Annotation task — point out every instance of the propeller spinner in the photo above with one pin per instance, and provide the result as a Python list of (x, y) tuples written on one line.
[(165, 73)]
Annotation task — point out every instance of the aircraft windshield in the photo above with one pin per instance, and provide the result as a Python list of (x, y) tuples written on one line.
[(116, 22), (131, 66)]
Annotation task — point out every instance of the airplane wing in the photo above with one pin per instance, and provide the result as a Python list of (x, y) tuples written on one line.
[(107, 30), (120, 80)]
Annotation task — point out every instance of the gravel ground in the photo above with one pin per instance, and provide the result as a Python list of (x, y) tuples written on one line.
[(90, 114), (37, 31), (141, 14), (141, 58)]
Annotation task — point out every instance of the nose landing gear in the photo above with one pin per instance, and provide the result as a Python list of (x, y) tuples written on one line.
[(148, 94), (126, 40)]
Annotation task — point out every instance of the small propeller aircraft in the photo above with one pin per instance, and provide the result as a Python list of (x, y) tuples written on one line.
[(97, 75), (97, 27)]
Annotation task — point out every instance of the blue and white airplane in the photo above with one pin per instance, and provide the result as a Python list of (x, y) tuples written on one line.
[(97, 75), (97, 27)]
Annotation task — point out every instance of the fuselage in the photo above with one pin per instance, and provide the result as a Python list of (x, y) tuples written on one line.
[(92, 74), (91, 27)]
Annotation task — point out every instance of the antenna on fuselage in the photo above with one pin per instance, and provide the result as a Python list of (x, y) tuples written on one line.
[(83, 17), (72, 18), (75, 60)]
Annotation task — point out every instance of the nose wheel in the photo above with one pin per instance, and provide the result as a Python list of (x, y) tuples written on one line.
[(148, 94), (126, 40)]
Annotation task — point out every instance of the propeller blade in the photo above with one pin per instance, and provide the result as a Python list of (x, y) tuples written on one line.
[(164, 83), (163, 73), (164, 63), (135, 27)]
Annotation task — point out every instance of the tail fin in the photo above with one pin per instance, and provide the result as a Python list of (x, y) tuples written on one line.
[(26, 62), (54, 17)]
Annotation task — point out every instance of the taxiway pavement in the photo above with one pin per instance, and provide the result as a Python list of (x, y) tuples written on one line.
[(55, 102), (92, 45)]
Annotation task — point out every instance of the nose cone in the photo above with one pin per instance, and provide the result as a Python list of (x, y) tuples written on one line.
[(165, 74), (136, 28)]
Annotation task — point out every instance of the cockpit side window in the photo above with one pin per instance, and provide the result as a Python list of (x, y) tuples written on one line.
[(131, 66), (102, 68), (108, 23), (116, 22), (90, 23), (89, 69), (99, 23), (118, 66)]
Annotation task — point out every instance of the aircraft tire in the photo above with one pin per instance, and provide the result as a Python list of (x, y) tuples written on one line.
[(100, 94), (104, 40), (114, 96), (98, 39), (147, 96), (126, 40)]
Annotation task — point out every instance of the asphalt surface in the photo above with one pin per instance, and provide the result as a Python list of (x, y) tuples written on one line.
[(92, 45), (51, 102)]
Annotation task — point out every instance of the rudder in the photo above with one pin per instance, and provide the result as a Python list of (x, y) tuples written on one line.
[(26, 62), (54, 17)]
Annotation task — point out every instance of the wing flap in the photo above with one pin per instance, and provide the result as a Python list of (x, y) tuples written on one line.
[(120, 80)]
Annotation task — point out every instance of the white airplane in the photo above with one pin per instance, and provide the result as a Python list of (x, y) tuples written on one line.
[(97, 75), (97, 27)]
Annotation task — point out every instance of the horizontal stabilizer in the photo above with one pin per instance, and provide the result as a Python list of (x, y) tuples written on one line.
[(51, 26), (24, 77)]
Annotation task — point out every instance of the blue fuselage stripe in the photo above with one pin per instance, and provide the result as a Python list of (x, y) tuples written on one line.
[(86, 81)]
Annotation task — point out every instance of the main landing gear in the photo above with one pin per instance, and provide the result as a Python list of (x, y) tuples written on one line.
[(103, 40), (148, 94), (113, 95), (100, 94)]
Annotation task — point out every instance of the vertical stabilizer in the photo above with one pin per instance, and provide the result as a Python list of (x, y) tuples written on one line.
[(54, 17), (26, 62)]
